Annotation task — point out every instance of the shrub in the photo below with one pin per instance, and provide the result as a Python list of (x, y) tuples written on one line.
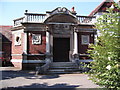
[(105, 69)]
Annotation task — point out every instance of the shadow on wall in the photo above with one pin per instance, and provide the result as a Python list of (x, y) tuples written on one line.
[(5, 51), (4, 38), (45, 85)]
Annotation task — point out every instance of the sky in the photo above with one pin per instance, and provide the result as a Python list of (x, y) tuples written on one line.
[(12, 9)]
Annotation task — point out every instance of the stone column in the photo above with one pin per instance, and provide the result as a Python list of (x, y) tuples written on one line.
[(25, 46), (75, 42), (47, 42), (75, 51), (48, 55), (71, 45), (25, 43), (95, 38), (51, 46)]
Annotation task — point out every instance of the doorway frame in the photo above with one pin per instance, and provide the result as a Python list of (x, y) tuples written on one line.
[(70, 36), (53, 33), (67, 38)]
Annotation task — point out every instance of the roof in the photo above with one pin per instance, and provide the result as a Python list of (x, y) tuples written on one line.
[(5, 33), (102, 7)]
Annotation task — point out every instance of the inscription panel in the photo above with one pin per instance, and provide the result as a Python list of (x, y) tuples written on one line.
[(61, 29)]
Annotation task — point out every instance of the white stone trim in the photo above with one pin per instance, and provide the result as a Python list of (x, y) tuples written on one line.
[(17, 31), (27, 61), (61, 23), (25, 43), (28, 54), (47, 42), (16, 54), (33, 61), (95, 39), (35, 54), (86, 60), (75, 43), (16, 60)]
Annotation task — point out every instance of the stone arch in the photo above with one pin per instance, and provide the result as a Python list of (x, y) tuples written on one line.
[(61, 18)]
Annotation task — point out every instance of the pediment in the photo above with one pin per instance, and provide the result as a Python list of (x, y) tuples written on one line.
[(61, 18), (60, 10), (61, 15)]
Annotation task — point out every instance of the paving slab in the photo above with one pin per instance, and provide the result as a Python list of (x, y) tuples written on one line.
[(15, 78)]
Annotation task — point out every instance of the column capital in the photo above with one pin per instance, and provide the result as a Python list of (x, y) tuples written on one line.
[(75, 29), (47, 28)]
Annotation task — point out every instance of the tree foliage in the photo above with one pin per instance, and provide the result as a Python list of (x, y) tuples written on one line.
[(106, 52)]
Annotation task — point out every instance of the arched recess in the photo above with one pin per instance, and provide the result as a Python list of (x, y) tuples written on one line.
[(61, 18)]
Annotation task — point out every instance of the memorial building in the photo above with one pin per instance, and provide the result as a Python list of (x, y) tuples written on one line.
[(59, 35)]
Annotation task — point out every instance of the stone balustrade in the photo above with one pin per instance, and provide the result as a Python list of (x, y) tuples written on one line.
[(18, 21), (40, 18), (30, 17), (86, 19)]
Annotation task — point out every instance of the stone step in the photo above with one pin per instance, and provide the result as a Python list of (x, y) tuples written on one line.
[(64, 67), (63, 64), (77, 72), (63, 70)]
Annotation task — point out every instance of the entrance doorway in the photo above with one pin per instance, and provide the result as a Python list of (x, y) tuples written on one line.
[(61, 48)]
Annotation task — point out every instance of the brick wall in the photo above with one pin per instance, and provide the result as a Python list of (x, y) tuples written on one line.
[(17, 50), (6, 48), (37, 48), (83, 48)]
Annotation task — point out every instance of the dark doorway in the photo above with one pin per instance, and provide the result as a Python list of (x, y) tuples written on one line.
[(61, 48)]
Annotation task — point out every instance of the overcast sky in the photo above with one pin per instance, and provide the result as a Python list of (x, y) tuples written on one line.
[(12, 9)]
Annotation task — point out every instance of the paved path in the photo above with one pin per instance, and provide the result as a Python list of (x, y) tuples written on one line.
[(12, 77)]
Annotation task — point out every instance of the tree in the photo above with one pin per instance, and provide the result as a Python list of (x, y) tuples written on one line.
[(105, 69)]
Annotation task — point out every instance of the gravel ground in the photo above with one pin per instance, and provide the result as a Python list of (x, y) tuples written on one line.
[(13, 77)]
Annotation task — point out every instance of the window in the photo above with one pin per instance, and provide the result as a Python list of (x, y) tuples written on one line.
[(17, 39), (36, 39), (85, 39)]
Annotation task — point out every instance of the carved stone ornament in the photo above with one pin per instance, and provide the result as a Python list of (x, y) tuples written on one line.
[(61, 27), (61, 10), (36, 39)]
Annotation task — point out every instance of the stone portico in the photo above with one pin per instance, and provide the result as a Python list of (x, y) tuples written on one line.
[(57, 36)]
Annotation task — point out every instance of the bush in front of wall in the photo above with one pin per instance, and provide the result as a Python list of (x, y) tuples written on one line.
[(105, 69)]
